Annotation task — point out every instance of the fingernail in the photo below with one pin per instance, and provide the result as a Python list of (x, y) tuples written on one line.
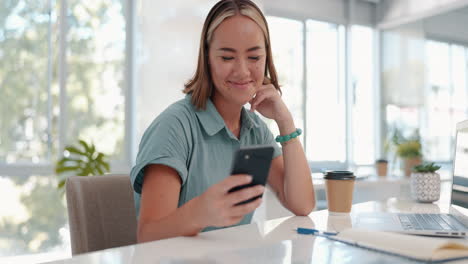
[(248, 177)]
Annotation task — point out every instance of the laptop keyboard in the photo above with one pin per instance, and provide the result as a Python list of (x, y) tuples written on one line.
[(425, 222)]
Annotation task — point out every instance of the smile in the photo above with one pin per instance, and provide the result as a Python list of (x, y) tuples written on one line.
[(240, 85)]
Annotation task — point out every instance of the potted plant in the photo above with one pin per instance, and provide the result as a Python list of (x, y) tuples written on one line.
[(410, 153), (80, 160), (425, 183), (408, 149)]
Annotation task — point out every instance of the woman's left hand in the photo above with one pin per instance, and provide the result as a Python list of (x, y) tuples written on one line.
[(268, 102)]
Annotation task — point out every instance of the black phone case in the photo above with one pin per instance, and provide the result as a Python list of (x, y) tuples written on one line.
[(255, 161)]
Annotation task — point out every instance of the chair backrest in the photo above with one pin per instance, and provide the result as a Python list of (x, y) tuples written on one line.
[(101, 212)]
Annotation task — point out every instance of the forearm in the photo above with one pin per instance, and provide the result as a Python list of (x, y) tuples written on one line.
[(299, 196), (173, 225)]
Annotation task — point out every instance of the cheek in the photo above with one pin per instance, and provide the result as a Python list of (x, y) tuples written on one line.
[(259, 71), (219, 71), (216, 73)]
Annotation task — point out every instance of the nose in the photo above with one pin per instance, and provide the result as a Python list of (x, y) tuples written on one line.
[(241, 69)]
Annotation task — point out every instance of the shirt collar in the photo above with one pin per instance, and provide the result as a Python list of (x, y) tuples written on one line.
[(212, 121), (247, 119)]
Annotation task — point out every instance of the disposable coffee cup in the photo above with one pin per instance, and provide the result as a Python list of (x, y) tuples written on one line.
[(339, 189), (381, 167)]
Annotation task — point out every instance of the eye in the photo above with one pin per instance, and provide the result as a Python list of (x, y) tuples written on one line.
[(227, 58), (255, 58)]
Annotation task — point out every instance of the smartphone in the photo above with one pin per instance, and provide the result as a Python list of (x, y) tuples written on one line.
[(255, 161)]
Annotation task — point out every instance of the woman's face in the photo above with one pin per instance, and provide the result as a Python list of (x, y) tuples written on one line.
[(237, 58)]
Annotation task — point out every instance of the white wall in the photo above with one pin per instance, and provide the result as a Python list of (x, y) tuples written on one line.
[(335, 11)]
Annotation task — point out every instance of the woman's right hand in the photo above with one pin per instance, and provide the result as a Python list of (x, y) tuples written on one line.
[(217, 207)]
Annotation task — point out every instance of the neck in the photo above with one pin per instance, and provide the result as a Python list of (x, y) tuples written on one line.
[(231, 113)]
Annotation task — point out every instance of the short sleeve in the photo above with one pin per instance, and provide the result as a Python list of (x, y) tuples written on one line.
[(165, 142)]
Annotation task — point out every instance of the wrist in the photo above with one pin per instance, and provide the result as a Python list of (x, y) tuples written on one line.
[(197, 223), (286, 126), (285, 139)]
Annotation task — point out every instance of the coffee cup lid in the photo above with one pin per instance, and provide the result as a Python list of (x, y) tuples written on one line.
[(339, 175)]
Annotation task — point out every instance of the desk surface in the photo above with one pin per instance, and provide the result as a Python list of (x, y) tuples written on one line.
[(273, 241)]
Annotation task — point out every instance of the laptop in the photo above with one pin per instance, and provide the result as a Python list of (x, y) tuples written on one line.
[(453, 224)]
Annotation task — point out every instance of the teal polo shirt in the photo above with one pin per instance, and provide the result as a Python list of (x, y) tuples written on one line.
[(198, 145)]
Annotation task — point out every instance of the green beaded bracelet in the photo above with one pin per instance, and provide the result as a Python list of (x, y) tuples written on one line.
[(282, 139)]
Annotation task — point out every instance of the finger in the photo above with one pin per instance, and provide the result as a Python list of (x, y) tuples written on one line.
[(243, 209), (235, 180), (262, 89), (266, 87), (259, 98), (253, 101), (245, 194)]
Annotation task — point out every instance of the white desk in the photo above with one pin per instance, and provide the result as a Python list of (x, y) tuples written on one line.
[(273, 241)]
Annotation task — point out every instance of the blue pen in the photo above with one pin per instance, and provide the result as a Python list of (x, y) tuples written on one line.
[(310, 231)]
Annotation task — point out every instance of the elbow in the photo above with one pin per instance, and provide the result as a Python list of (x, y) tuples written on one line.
[(304, 210), (140, 233), (143, 234)]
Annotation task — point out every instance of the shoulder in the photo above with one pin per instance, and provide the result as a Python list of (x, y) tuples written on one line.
[(180, 110), (175, 119), (179, 113)]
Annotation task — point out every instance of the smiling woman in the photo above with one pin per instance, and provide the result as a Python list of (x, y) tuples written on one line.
[(237, 70), (182, 167)]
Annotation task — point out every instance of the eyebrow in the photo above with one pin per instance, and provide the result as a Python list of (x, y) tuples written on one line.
[(233, 50)]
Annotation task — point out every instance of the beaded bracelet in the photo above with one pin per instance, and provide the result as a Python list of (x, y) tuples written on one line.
[(282, 139)]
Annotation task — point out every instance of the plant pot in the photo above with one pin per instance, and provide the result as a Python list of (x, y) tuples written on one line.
[(425, 187), (409, 165), (381, 166)]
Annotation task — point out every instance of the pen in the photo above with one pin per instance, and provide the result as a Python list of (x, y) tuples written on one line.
[(310, 231)]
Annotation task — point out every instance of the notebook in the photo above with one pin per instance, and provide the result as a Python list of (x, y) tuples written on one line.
[(454, 224), (419, 248)]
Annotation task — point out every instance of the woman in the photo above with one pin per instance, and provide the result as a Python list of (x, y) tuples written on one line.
[(185, 154)]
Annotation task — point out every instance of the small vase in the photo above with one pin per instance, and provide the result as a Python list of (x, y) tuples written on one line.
[(409, 165), (425, 187)]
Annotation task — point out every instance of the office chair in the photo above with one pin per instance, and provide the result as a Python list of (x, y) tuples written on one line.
[(101, 212)]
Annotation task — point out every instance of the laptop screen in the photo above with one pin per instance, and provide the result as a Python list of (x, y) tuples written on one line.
[(460, 170)]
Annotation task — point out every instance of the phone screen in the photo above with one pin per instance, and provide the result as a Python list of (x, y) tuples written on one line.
[(255, 161)]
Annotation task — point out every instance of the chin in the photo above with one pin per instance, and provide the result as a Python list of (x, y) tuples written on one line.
[(241, 101)]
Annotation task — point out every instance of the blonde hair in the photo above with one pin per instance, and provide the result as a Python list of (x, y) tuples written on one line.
[(201, 85)]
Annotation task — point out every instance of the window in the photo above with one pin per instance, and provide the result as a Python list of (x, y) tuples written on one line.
[(95, 75), (446, 102), (30, 106), (318, 99), (363, 99), (35, 105), (288, 56), (326, 133), (25, 82)]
